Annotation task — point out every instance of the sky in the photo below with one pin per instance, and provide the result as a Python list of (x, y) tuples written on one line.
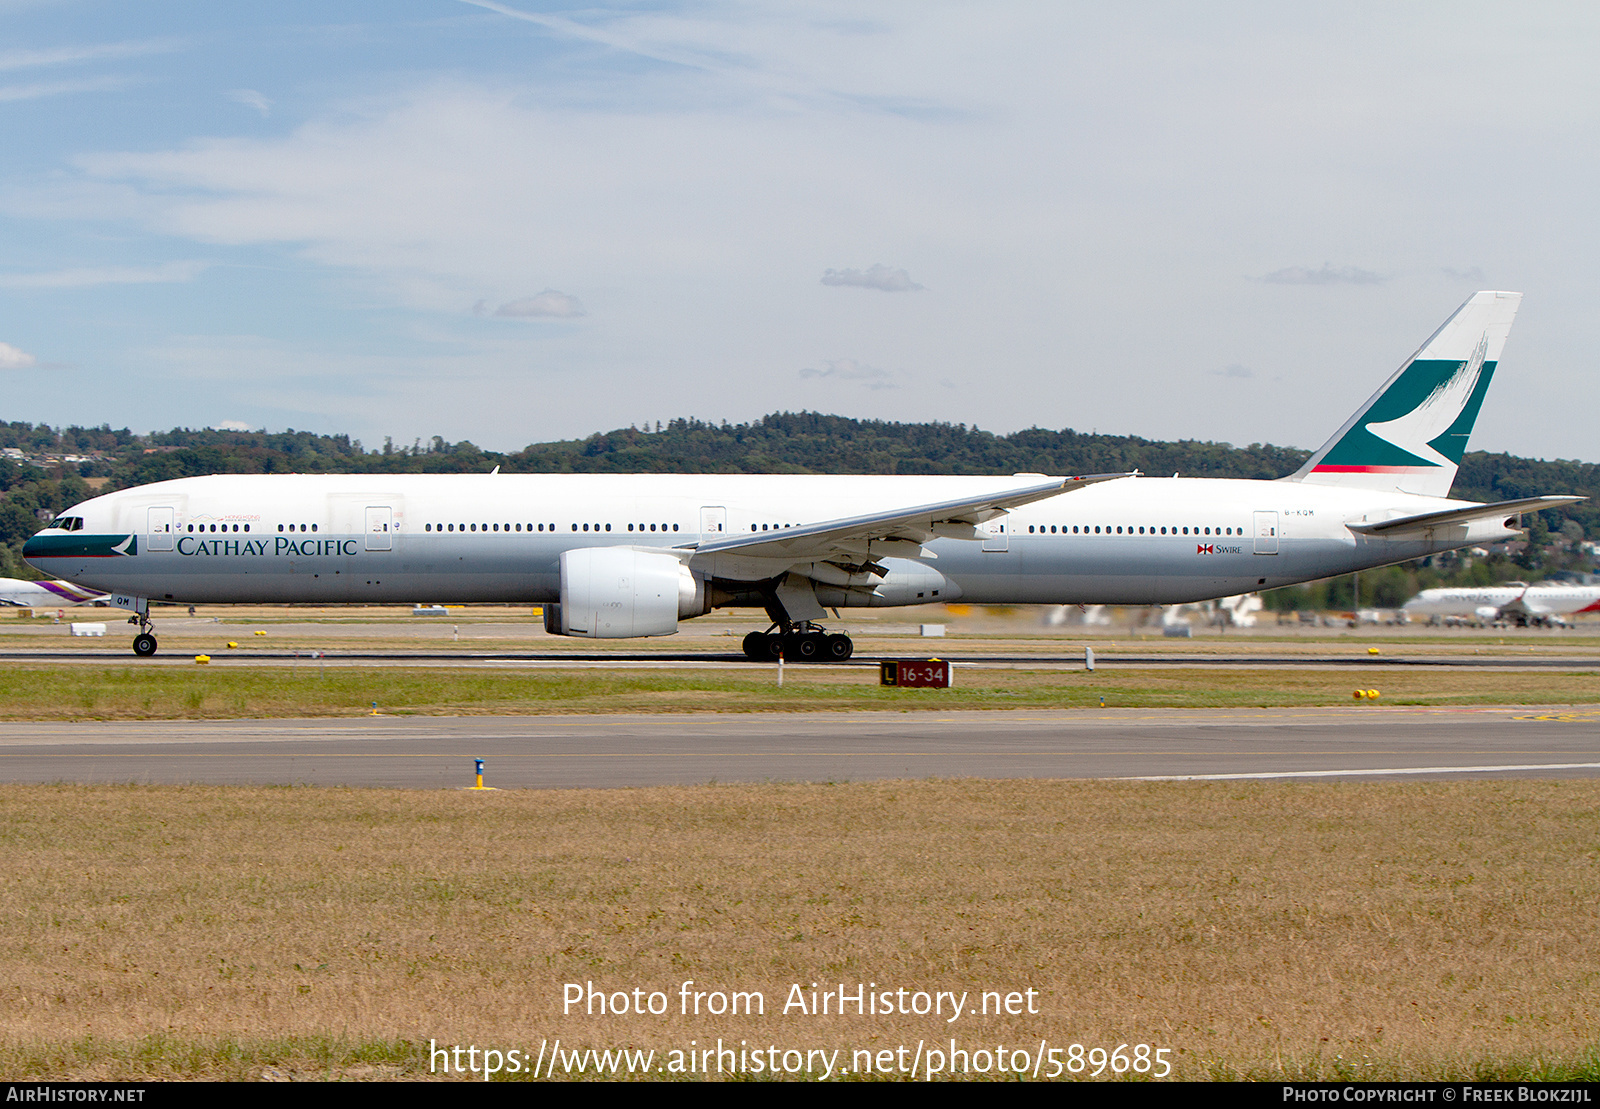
[(515, 222)]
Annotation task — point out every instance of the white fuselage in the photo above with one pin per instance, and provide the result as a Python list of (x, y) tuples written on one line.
[(499, 538)]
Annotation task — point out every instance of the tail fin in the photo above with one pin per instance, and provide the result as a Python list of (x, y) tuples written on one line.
[(1411, 434)]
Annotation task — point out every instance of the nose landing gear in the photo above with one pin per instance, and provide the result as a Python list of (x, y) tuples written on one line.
[(801, 642)]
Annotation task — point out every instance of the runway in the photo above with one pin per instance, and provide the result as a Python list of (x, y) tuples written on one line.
[(621, 751), (666, 659)]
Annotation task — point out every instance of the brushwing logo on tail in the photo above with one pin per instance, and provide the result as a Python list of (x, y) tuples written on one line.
[(1421, 422), (1410, 435), (1415, 431)]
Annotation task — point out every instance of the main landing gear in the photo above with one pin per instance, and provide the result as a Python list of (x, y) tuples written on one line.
[(144, 644), (802, 642)]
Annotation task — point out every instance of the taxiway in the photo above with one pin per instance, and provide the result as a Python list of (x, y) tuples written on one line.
[(620, 751)]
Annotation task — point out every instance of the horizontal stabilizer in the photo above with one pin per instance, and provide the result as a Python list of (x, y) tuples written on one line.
[(1461, 515)]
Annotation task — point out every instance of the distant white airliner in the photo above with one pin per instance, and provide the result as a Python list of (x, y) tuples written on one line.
[(45, 594), (618, 556), (1516, 602)]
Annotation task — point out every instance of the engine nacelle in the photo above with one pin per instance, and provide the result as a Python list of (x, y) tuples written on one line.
[(623, 593), (905, 582)]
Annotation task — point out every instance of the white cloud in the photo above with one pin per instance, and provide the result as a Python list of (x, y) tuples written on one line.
[(13, 359), (879, 276), (549, 304), (1327, 275), (1068, 176), (1234, 369), (848, 369), (69, 55), (250, 98), (166, 273), (61, 88), (232, 425), (572, 29)]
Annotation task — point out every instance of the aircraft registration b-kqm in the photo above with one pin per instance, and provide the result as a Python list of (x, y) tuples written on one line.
[(620, 556)]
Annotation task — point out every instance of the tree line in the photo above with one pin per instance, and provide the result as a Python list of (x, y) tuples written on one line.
[(35, 488)]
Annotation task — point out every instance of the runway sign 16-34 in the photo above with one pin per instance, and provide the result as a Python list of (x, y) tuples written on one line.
[(932, 673)]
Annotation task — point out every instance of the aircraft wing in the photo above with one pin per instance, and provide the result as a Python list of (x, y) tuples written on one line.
[(1461, 515), (897, 531)]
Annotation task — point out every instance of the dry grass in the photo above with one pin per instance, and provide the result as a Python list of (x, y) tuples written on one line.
[(132, 692), (1261, 930)]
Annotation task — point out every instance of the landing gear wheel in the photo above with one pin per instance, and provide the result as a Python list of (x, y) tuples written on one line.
[(144, 644), (804, 648), (838, 647), (763, 646)]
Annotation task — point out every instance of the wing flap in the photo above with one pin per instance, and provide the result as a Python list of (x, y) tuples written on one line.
[(1466, 515)]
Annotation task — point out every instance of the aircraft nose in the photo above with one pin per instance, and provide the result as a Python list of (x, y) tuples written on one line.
[(34, 546)]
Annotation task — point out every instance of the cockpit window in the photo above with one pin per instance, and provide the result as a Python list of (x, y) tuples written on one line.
[(68, 523)]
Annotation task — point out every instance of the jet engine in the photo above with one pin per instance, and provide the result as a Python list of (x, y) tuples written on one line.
[(623, 592), (893, 582)]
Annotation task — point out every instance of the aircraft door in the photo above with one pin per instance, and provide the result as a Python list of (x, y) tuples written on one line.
[(1266, 533), (994, 533), (380, 528), (713, 523), (161, 529)]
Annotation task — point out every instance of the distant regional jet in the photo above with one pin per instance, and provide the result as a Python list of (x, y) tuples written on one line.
[(45, 594), (620, 556), (1514, 602)]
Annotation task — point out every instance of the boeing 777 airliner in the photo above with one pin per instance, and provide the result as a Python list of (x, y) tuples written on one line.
[(616, 556), (1515, 602)]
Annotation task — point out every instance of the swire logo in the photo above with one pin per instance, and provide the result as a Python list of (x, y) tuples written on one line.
[(1202, 548)]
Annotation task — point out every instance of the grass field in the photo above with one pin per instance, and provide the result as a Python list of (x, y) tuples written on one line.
[(1256, 930), (134, 692), (1304, 930)]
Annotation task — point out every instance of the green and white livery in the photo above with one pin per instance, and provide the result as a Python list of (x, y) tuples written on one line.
[(1411, 435)]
